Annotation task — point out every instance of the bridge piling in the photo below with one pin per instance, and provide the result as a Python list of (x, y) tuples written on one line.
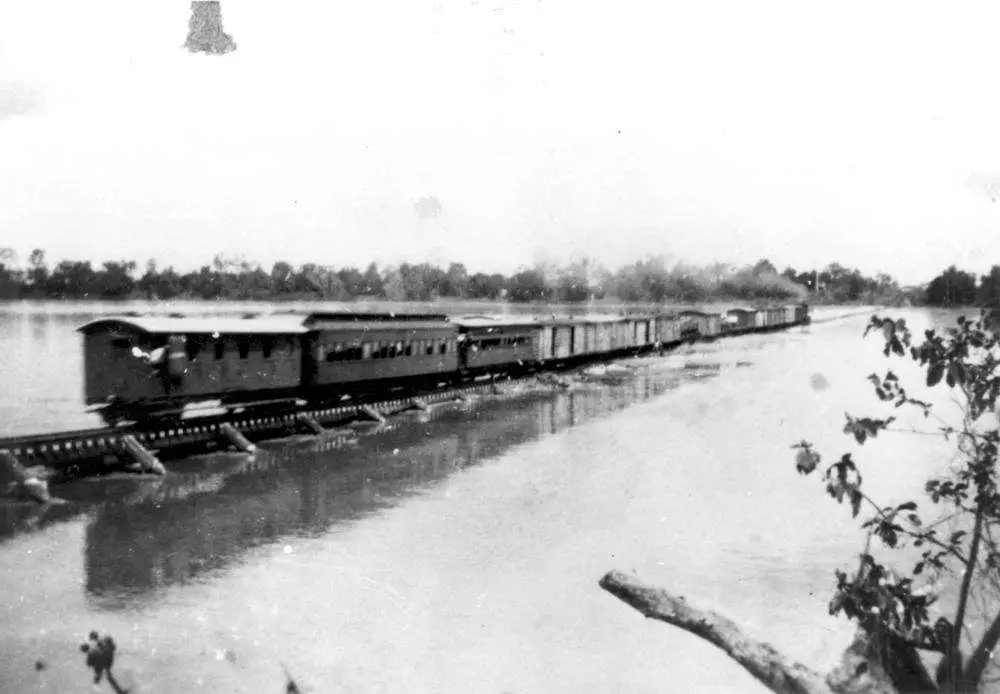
[(372, 413), (311, 424), (26, 484), (142, 457), (232, 435)]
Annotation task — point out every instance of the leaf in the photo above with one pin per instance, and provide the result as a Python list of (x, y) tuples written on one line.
[(889, 329), (855, 503), (806, 461), (934, 374), (908, 506), (957, 371)]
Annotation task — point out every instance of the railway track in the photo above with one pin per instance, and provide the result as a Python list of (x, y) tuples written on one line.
[(139, 447), (83, 450)]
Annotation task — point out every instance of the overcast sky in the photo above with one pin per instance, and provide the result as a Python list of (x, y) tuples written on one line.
[(499, 132)]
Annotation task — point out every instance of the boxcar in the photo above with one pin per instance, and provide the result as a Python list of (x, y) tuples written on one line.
[(668, 329), (150, 360), (557, 340), (349, 351), (697, 324), (489, 342), (643, 335), (741, 319), (604, 329), (621, 334)]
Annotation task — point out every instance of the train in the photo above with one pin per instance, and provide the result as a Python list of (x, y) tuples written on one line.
[(141, 367)]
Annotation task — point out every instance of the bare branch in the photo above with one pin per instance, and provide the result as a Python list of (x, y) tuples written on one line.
[(775, 670), (983, 655)]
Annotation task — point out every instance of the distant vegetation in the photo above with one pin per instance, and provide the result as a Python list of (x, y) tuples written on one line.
[(651, 280), (955, 287)]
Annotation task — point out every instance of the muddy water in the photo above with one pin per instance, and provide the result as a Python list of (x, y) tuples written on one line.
[(460, 550)]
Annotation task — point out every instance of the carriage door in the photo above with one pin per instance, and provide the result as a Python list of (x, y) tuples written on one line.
[(175, 365)]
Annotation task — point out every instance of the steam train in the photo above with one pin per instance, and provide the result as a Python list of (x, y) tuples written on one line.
[(138, 367)]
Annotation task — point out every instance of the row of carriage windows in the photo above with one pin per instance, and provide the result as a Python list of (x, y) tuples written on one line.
[(195, 346), (501, 342), (385, 349)]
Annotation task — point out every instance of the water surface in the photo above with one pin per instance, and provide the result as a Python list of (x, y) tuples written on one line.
[(459, 551)]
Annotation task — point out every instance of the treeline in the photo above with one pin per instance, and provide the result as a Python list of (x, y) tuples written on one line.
[(651, 280), (839, 284), (955, 287)]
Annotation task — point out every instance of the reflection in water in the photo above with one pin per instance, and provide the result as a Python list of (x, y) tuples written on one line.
[(196, 523)]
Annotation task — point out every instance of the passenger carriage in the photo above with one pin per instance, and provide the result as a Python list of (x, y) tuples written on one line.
[(135, 363), (345, 352), (495, 342)]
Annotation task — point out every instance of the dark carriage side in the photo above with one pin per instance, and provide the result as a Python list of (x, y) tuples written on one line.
[(347, 354), (141, 367)]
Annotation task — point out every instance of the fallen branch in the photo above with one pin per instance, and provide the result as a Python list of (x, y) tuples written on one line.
[(860, 671)]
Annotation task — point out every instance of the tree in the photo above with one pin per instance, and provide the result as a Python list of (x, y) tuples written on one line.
[(483, 286), (953, 287), (372, 281), (352, 280), (281, 278), (456, 281), (527, 285), (10, 275), (72, 280), (890, 603), (38, 271), (764, 267), (989, 288), (114, 280)]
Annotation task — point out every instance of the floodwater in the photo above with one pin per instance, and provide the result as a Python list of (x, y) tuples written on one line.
[(458, 550)]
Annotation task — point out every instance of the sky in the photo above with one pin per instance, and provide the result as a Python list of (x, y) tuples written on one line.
[(499, 133)]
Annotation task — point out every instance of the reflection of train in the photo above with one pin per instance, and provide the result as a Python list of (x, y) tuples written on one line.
[(142, 365), (206, 517)]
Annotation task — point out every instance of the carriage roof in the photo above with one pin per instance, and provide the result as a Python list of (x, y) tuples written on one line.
[(494, 321), (201, 325)]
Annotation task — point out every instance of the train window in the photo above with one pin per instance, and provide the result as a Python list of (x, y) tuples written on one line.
[(267, 346), (121, 343), (409, 349), (244, 346), (399, 349), (366, 350), (384, 349), (220, 349), (443, 347), (429, 350)]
